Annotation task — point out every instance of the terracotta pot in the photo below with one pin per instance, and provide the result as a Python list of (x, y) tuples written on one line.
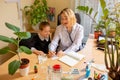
[(24, 67), (97, 34), (113, 75)]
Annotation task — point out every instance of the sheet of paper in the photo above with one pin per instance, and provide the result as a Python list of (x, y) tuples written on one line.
[(75, 55), (68, 60)]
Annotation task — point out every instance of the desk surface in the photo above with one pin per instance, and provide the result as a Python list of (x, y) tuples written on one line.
[(89, 51)]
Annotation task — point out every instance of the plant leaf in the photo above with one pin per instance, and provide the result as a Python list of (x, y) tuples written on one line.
[(23, 35), (7, 39), (90, 11), (81, 8), (25, 49), (103, 4), (95, 14), (4, 50), (12, 27), (86, 9), (105, 12), (13, 66)]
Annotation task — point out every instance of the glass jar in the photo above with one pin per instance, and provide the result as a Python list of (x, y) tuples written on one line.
[(56, 72)]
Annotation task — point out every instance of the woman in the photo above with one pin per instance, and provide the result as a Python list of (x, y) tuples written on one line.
[(68, 36)]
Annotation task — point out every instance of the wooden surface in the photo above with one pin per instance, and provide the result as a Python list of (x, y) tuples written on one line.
[(89, 51)]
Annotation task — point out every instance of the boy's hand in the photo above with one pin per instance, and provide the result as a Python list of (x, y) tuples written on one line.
[(38, 52), (51, 54)]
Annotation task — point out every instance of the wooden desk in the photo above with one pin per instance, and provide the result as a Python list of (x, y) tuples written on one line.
[(89, 51)]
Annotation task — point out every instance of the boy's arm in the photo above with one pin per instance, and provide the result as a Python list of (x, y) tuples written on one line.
[(38, 52)]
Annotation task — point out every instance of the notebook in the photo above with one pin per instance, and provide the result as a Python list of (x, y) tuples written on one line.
[(71, 58)]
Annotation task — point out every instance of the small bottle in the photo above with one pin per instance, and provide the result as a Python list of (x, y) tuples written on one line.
[(56, 72), (87, 71), (35, 69)]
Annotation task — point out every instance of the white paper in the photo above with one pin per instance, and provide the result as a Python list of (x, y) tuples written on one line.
[(71, 58), (76, 55), (68, 60)]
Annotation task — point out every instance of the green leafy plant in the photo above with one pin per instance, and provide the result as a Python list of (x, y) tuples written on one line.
[(99, 26), (37, 12), (14, 65), (89, 11), (112, 56)]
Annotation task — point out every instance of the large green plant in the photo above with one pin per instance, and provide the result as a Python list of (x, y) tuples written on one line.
[(14, 65), (88, 11), (92, 15), (112, 56), (37, 12)]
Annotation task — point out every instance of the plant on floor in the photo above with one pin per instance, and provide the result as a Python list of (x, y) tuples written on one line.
[(112, 55), (14, 65)]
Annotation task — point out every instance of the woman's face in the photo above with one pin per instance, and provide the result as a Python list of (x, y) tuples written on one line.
[(45, 32), (64, 20)]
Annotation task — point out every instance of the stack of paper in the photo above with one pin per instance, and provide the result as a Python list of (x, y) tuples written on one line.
[(71, 58)]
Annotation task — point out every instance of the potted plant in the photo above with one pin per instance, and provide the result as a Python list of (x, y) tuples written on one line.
[(21, 62), (112, 54), (112, 28), (97, 26), (98, 29), (36, 13)]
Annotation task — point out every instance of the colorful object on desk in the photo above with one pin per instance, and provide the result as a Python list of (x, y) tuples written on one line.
[(56, 72), (35, 69), (32, 79), (99, 76), (87, 71), (95, 75)]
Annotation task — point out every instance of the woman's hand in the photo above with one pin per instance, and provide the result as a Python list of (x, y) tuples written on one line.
[(60, 53)]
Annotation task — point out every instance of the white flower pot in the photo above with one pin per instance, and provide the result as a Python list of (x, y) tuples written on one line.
[(24, 71), (24, 67)]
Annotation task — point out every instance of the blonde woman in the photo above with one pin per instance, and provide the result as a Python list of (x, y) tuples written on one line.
[(68, 35)]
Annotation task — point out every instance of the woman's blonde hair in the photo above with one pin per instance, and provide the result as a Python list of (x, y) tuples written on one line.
[(70, 15)]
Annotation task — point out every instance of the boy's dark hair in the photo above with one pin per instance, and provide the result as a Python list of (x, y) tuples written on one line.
[(43, 25)]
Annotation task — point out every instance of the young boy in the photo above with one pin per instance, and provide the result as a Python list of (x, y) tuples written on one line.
[(39, 41)]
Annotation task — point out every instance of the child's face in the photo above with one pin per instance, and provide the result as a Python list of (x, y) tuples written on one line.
[(45, 32)]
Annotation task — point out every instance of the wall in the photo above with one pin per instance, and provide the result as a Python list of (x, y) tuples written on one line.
[(8, 13)]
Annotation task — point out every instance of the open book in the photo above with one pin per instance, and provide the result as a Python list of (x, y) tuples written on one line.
[(71, 58)]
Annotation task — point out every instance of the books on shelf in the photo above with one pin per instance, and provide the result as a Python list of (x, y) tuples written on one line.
[(71, 58)]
